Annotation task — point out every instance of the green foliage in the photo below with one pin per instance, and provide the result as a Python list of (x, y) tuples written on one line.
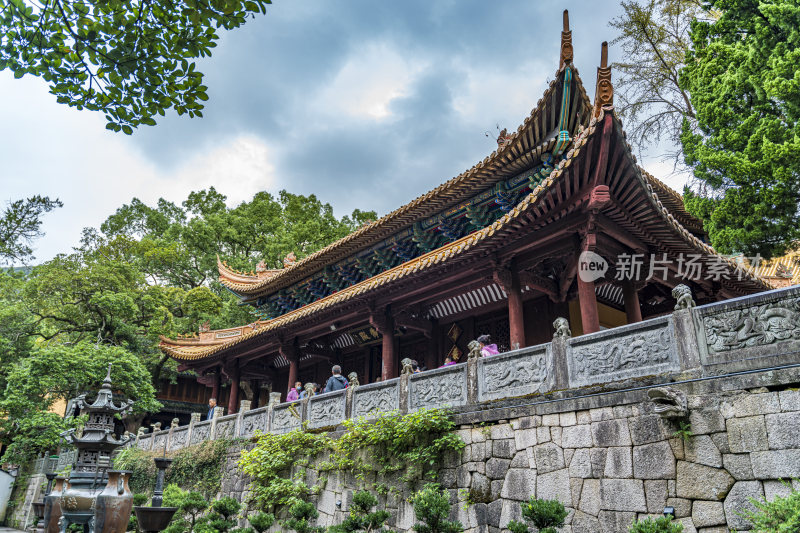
[(684, 431), (59, 372), (261, 521), (743, 75), (432, 509), (129, 60), (195, 468), (661, 524), (781, 515), (654, 38), (301, 515), (411, 446), (544, 515), (20, 223), (361, 517)]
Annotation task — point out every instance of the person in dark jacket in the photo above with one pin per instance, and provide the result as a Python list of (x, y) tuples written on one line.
[(337, 381)]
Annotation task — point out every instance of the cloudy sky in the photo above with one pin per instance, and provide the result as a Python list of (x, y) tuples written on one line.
[(365, 104)]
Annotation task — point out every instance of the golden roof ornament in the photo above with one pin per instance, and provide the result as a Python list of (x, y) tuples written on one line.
[(205, 327), (566, 43), (504, 139), (289, 260), (604, 92), (261, 266)]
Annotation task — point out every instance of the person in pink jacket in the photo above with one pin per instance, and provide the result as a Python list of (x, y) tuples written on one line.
[(487, 348), (294, 394)]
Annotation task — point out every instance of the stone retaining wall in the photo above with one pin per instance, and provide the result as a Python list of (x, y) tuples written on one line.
[(610, 458)]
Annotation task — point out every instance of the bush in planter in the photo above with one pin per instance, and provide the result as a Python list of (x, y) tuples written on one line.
[(545, 515), (432, 509), (661, 524)]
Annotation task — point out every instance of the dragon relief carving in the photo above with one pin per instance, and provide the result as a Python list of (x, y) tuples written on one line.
[(225, 429), (639, 351), (376, 401), (327, 412), (200, 433), (438, 390), (178, 439), (285, 418), (753, 326), (514, 373), (253, 423), (668, 402)]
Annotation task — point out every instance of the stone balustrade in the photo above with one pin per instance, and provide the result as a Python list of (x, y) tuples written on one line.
[(749, 333)]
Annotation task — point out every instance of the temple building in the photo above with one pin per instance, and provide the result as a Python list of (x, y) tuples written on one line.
[(559, 221)]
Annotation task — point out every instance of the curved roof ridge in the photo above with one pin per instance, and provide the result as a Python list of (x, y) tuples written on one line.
[(373, 229)]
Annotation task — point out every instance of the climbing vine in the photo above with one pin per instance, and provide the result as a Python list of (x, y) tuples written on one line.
[(197, 468), (407, 448)]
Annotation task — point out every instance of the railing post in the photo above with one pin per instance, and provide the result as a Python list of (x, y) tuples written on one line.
[(559, 353), (274, 399), (192, 421), (217, 413), (244, 406), (685, 334), (405, 391), (472, 377)]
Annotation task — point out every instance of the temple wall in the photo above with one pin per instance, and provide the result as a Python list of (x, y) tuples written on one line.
[(610, 458), (573, 419)]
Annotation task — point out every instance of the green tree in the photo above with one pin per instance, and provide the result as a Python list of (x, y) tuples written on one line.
[(261, 521), (654, 37), (743, 75), (545, 515), (361, 517), (21, 222), (130, 60), (55, 373), (179, 246), (432, 509)]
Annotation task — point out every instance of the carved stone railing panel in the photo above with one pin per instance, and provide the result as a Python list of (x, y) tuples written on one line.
[(327, 409), (180, 438), (438, 388), (201, 432), (636, 350), (226, 427), (371, 400), (160, 442), (253, 421), (763, 325), (145, 443), (516, 373), (286, 417), (67, 457)]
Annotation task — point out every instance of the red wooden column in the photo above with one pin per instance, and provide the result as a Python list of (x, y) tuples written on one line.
[(590, 319), (509, 280), (233, 400), (384, 323), (290, 353), (215, 388), (633, 309)]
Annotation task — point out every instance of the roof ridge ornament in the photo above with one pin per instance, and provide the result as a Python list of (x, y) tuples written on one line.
[(566, 43), (604, 92)]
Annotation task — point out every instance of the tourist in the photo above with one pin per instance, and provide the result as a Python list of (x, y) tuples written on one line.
[(212, 403), (487, 348), (295, 393), (337, 381), (448, 361)]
